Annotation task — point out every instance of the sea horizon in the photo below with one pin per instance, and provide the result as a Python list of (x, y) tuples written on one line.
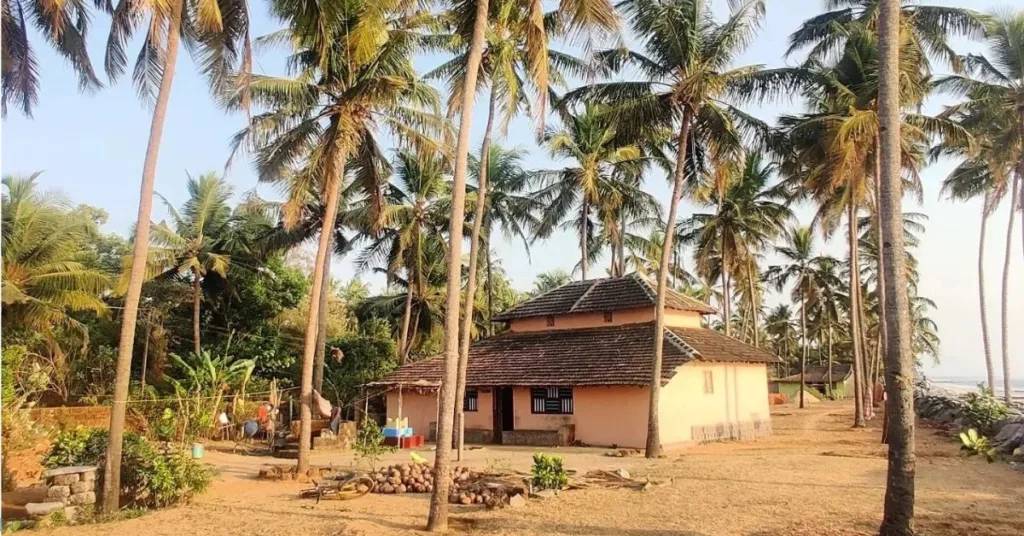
[(967, 384)]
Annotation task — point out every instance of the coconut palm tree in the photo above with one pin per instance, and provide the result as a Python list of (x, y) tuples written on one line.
[(898, 516), (686, 69), (749, 216), (550, 280), (782, 332), (199, 239), (63, 25), (414, 216), (995, 91), (354, 78), (42, 280), (600, 159), (800, 257), (509, 207), (578, 15), (217, 33)]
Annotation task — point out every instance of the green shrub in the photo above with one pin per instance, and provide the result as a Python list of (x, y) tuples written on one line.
[(972, 444), (148, 477), (548, 472), (369, 444), (983, 410)]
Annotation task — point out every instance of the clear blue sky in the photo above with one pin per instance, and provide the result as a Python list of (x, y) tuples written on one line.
[(91, 147)]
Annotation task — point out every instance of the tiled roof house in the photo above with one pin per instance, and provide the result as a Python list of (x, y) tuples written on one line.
[(575, 367)]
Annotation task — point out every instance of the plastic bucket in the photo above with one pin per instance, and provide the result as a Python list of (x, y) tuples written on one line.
[(197, 451)]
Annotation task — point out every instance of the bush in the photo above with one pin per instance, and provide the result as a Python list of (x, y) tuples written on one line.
[(369, 444), (974, 444), (148, 477), (983, 410), (548, 472)]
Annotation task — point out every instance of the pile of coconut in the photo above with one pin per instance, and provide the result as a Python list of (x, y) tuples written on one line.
[(465, 486)]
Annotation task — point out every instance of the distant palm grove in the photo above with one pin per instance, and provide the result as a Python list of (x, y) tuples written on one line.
[(374, 162)]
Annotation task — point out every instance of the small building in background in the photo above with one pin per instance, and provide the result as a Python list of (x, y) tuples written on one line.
[(839, 385), (574, 367)]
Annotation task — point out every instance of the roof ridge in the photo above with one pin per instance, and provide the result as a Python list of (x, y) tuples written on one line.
[(645, 284), (680, 344), (586, 293)]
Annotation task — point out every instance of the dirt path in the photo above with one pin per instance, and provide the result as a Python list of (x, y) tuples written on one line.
[(814, 476)]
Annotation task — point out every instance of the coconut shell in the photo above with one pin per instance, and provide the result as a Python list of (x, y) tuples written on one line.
[(401, 488)]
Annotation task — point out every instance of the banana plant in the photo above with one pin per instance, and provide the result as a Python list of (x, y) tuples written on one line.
[(972, 443), (206, 379)]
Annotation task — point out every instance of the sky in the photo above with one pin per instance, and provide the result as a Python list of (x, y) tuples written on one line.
[(91, 148)]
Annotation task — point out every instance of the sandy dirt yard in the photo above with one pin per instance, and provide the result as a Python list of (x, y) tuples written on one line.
[(814, 476)]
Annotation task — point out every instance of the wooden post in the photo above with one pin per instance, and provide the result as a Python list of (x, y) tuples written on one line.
[(398, 420)]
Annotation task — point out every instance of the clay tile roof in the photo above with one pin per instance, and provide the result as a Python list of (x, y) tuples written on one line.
[(819, 374), (597, 295), (619, 355)]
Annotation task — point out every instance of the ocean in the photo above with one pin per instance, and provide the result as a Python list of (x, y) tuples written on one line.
[(966, 384)]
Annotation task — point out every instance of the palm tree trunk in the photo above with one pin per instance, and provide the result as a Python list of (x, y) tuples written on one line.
[(197, 292), (653, 447), (333, 175), (1007, 391), (321, 328), (831, 394), (803, 337), (865, 375), (858, 372), (987, 344), (880, 283), (726, 299), (404, 338), (474, 263), (490, 287), (112, 463), (145, 352), (622, 248), (585, 230), (753, 304), (437, 520), (898, 517)]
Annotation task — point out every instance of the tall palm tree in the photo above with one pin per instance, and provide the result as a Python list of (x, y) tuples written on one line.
[(599, 158), (414, 217), (749, 216), (686, 69), (200, 239), (579, 15), (995, 91), (509, 206), (781, 329), (354, 76), (42, 280), (550, 280), (514, 49), (63, 25), (217, 32), (800, 257), (898, 516)]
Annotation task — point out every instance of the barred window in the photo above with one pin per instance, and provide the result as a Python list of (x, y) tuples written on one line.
[(553, 400), (470, 402)]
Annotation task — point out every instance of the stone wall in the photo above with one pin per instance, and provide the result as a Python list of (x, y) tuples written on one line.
[(541, 438), (70, 417), (67, 489)]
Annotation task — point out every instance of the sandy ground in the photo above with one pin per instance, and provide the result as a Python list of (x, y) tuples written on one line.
[(814, 476)]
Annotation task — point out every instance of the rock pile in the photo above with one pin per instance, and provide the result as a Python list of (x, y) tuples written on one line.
[(67, 489)]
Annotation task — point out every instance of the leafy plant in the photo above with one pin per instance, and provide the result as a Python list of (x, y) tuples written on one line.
[(983, 410), (148, 477), (548, 472), (973, 444), (369, 444)]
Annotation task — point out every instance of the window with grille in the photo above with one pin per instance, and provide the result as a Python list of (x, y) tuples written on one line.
[(470, 402), (550, 320), (607, 316), (553, 400), (709, 383)]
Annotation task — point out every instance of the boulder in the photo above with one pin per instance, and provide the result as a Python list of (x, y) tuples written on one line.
[(82, 487), (58, 492), (622, 473), (88, 497), (516, 501), (1010, 437), (545, 493), (64, 480), (37, 510)]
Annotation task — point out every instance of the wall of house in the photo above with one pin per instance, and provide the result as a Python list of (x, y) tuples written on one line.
[(738, 407), (608, 416), (421, 410), (621, 317)]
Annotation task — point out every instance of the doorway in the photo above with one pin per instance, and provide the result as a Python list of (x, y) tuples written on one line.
[(504, 416)]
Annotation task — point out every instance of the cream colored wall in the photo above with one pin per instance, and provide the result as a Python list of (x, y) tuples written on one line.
[(621, 317), (608, 416), (740, 395)]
